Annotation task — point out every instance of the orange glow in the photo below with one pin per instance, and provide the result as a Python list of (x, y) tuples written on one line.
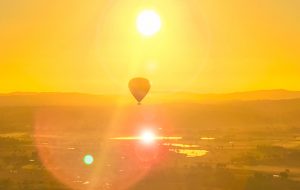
[(203, 46), (71, 165)]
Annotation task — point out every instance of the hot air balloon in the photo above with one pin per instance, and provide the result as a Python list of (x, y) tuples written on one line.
[(139, 87)]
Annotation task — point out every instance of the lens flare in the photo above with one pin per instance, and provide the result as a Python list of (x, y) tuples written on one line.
[(148, 137), (88, 159)]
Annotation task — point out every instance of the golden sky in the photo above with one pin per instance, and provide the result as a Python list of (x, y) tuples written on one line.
[(203, 46)]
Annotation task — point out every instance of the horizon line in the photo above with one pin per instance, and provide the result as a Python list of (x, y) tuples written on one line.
[(152, 92)]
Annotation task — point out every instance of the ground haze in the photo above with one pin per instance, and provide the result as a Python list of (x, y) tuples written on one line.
[(246, 140)]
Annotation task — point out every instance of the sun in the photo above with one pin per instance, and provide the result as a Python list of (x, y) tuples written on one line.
[(148, 23)]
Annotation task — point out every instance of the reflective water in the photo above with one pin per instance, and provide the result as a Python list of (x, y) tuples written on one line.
[(189, 152)]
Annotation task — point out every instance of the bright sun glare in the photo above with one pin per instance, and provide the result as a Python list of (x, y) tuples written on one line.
[(148, 137), (148, 22)]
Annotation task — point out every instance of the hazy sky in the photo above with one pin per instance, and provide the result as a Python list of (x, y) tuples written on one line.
[(204, 46)]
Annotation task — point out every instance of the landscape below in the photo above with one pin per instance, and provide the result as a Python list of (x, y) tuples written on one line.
[(251, 140)]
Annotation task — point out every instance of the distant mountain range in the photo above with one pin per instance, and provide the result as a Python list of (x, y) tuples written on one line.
[(243, 96), (81, 99)]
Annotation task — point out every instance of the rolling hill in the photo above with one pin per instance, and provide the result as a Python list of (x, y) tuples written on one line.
[(80, 99), (247, 111)]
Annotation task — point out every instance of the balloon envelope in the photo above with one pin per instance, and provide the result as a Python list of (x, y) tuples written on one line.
[(139, 87)]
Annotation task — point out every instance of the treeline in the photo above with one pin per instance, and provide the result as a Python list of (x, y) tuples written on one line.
[(212, 178), (270, 155), (16, 119)]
